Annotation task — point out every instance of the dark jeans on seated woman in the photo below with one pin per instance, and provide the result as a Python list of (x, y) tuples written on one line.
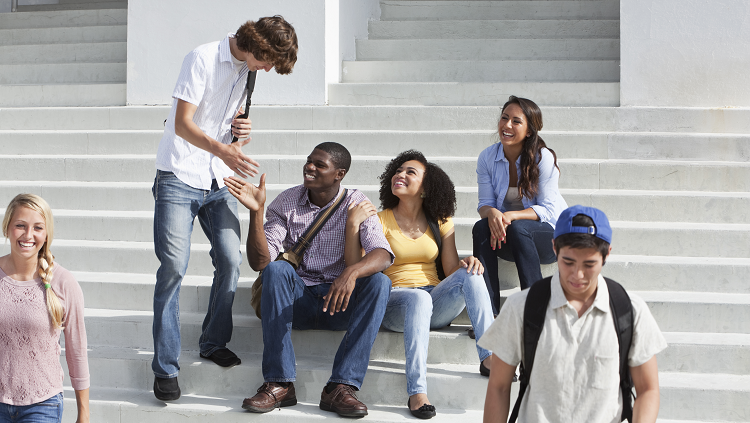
[(529, 244)]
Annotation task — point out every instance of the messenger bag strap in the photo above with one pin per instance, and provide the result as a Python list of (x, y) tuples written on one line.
[(249, 87), (320, 220)]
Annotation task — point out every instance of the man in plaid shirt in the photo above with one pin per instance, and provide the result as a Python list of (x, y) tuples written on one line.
[(323, 293)]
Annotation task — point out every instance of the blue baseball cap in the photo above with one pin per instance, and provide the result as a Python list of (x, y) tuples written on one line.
[(601, 228)]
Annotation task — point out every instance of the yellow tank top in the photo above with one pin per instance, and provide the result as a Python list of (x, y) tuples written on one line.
[(414, 265)]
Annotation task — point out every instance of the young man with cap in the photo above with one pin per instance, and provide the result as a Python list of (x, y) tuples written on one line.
[(195, 154), (576, 373)]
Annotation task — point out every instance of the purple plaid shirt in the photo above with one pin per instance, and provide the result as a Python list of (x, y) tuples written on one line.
[(291, 213)]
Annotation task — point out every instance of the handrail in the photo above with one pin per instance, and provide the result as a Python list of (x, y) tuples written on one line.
[(13, 5)]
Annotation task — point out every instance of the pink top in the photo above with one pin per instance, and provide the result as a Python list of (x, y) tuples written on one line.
[(30, 369)]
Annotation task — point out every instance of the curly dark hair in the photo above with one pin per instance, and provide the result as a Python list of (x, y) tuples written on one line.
[(528, 183), (271, 40), (440, 193)]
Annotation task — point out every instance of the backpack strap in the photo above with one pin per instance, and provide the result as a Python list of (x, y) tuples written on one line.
[(249, 87), (435, 228), (622, 314), (533, 321)]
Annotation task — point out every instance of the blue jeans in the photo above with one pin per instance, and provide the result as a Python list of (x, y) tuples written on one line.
[(48, 411), (288, 303), (414, 311), (529, 244), (176, 206)]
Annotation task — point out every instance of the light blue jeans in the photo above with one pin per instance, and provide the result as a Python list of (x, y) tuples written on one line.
[(414, 311), (47, 411), (177, 205)]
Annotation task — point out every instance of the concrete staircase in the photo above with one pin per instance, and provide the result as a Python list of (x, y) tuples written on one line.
[(674, 182), (468, 53), (67, 54)]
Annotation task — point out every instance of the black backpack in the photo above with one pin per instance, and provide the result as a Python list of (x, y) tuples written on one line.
[(533, 321)]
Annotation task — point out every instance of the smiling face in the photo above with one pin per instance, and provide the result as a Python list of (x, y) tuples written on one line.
[(579, 271), (320, 172), (407, 182), (513, 127), (27, 233)]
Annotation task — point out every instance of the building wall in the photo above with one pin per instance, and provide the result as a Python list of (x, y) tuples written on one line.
[(161, 33), (685, 53)]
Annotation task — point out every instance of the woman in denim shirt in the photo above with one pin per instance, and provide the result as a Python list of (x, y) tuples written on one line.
[(519, 201)]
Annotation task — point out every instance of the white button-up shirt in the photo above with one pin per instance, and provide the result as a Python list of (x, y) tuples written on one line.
[(576, 376), (212, 79)]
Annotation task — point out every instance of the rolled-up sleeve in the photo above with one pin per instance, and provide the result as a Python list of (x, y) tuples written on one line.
[(191, 84), (485, 178), (275, 228), (548, 203)]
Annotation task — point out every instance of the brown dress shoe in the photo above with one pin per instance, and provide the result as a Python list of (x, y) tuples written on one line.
[(270, 395), (343, 401)]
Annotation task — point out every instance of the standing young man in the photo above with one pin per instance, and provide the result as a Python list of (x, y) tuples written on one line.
[(323, 292), (576, 375), (195, 154)]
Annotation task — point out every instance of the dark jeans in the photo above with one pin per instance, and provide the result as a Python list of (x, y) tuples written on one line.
[(529, 244), (287, 303)]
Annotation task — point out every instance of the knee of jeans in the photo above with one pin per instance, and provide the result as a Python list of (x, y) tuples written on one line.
[(516, 231), (481, 229), (274, 273), (421, 304)]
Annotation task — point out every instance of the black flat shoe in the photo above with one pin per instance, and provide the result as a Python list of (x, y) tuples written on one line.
[(224, 358), (166, 389), (426, 411), (483, 370)]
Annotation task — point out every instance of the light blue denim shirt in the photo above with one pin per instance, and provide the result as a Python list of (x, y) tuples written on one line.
[(493, 177)]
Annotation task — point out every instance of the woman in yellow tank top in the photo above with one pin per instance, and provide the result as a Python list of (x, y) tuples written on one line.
[(414, 192)]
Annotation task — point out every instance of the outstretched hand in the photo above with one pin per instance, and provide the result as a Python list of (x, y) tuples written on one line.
[(252, 197)]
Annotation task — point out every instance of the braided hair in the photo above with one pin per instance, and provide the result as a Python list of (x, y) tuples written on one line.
[(46, 261)]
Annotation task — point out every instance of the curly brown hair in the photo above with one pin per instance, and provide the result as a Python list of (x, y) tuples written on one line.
[(528, 183), (271, 40), (439, 192)]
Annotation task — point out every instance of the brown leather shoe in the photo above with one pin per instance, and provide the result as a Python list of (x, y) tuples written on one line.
[(343, 401), (270, 395)]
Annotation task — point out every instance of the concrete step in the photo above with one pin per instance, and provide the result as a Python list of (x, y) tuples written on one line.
[(646, 206), (385, 383), (400, 10), (74, 6), (123, 405), (113, 52), (64, 35), (450, 345), (709, 397), (489, 49), (465, 143), (723, 353), (487, 29), (678, 121), (709, 312), (83, 94), (482, 71), (655, 238), (63, 18), (467, 94), (63, 73), (576, 173)]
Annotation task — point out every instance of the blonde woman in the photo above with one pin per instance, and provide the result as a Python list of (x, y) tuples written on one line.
[(38, 299)]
